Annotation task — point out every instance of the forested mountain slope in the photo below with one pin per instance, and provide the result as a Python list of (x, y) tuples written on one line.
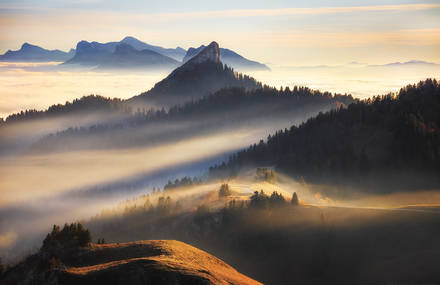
[(394, 139)]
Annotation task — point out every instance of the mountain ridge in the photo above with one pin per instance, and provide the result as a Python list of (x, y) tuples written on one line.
[(93, 53), (34, 53), (115, 55)]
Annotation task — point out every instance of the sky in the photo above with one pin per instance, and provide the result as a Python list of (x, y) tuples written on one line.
[(277, 32)]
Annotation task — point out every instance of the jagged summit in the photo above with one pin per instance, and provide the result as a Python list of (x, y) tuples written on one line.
[(201, 75), (228, 57), (209, 53)]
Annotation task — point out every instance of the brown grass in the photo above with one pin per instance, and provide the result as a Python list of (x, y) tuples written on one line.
[(166, 255)]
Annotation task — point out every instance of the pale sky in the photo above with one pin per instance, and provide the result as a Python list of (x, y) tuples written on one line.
[(277, 32)]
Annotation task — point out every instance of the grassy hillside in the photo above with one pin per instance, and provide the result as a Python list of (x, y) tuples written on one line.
[(142, 262)]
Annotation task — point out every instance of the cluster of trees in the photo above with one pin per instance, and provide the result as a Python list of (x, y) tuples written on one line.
[(224, 191), (183, 182), (264, 174), (101, 241), (367, 143), (72, 235), (154, 204), (93, 103), (163, 207), (261, 200)]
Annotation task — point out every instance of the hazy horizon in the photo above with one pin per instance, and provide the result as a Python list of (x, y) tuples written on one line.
[(40, 85)]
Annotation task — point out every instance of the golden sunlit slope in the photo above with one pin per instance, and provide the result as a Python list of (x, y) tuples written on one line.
[(149, 262)]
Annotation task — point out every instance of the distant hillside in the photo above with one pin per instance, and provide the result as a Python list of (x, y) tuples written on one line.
[(201, 75), (143, 262), (380, 144), (85, 104), (230, 58), (32, 53)]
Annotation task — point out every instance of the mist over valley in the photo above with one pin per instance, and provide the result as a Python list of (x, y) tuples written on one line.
[(127, 162)]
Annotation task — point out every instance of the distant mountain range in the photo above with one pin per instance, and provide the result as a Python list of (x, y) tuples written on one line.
[(229, 58), (116, 55), (129, 53), (32, 53), (411, 62)]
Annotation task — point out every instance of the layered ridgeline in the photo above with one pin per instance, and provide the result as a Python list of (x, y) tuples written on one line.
[(381, 144), (213, 97), (106, 56), (189, 86), (128, 54), (201, 75), (93, 53), (229, 58), (33, 53), (195, 79)]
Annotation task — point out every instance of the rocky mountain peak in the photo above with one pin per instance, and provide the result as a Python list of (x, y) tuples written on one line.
[(209, 53)]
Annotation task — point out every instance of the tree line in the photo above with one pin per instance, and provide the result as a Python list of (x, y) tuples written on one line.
[(95, 103), (225, 108)]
